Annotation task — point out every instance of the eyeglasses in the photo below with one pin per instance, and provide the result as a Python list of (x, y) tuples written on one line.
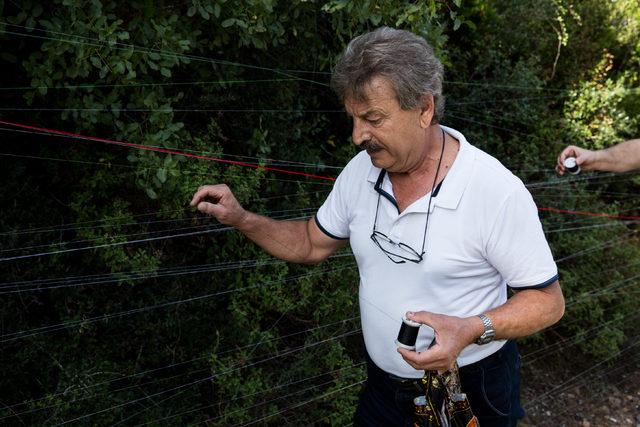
[(398, 252), (407, 253)]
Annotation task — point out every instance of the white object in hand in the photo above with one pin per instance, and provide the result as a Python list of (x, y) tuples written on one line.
[(571, 165)]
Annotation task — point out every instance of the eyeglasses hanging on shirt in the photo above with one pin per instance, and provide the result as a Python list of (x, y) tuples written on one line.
[(399, 252)]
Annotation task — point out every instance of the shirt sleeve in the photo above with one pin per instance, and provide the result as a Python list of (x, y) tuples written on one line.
[(333, 216), (517, 246)]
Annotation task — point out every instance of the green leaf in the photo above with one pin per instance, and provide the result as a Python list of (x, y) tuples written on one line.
[(165, 72), (37, 10), (191, 11), (119, 67), (162, 175), (203, 13), (228, 22), (456, 24), (151, 193)]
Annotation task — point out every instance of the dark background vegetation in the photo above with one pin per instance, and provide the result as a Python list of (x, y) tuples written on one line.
[(207, 328)]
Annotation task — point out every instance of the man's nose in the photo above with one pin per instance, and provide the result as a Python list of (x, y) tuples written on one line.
[(359, 133)]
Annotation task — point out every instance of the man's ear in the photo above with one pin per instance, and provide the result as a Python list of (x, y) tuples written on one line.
[(427, 110)]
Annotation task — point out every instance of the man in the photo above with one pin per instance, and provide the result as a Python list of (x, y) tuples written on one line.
[(623, 157), (438, 228)]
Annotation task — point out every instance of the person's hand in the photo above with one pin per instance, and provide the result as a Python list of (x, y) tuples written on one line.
[(452, 334), (219, 202), (584, 158)]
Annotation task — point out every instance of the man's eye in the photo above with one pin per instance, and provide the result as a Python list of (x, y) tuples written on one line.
[(375, 122)]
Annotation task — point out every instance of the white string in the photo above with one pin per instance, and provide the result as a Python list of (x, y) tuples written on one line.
[(220, 353), (264, 391), (579, 375), (64, 325), (298, 405), (209, 378)]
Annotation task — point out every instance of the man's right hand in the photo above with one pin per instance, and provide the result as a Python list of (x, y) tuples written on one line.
[(219, 202)]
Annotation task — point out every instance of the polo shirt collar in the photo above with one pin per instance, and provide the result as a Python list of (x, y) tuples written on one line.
[(456, 180)]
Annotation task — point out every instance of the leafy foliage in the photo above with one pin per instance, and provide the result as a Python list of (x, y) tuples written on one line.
[(193, 323)]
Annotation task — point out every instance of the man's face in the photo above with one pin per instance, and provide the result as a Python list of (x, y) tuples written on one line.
[(394, 138)]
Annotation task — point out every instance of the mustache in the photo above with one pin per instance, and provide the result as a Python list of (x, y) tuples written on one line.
[(369, 145)]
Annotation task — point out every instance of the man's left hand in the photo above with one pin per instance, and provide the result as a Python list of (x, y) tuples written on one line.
[(452, 334)]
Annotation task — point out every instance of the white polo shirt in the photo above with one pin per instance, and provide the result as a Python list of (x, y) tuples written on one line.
[(483, 233)]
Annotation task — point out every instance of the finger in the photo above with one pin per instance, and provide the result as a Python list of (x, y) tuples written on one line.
[(423, 317), (209, 208), (560, 170), (423, 360), (569, 151), (408, 355), (199, 195), (214, 191)]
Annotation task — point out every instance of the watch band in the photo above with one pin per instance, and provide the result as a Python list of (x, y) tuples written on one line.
[(489, 331)]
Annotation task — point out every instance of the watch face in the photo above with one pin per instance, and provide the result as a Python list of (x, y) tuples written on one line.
[(484, 339), (489, 332)]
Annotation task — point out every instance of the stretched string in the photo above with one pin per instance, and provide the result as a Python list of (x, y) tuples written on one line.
[(284, 214), (113, 221), (188, 109), (9, 337), (264, 391), (133, 84), (211, 377), (596, 247), (131, 47), (298, 405), (107, 245), (150, 371), (591, 369), (620, 372), (117, 278), (175, 110), (163, 150), (565, 343), (174, 152), (252, 159)]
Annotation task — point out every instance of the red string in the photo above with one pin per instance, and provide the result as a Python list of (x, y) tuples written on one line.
[(267, 168), (162, 150), (604, 215)]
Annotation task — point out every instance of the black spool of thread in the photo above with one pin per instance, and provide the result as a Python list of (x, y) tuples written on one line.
[(571, 165), (408, 334)]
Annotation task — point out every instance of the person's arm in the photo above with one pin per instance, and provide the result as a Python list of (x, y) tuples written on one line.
[(294, 241), (525, 313), (622, 157)]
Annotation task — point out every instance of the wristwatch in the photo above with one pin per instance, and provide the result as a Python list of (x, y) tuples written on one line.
[(489, 332)]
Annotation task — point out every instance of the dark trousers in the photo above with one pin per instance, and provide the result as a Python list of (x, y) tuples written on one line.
[(492, 386)]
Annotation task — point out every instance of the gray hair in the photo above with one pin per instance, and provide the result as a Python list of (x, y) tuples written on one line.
[(406, 60)]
